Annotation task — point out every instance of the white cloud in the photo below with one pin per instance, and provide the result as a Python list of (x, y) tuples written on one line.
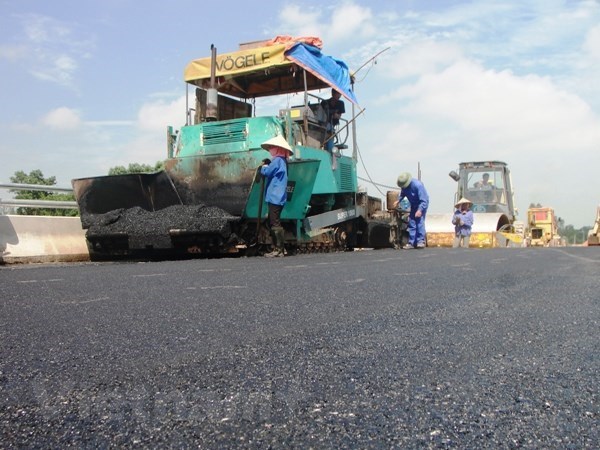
[(147, 143), (56, 47), (299, 21), (501, 111), (41, 29), (591, 44), (420, 57), (350, 21), (143, 149), (155, 116), (13, 52), (347, 21), (59, 71), (62, 119)]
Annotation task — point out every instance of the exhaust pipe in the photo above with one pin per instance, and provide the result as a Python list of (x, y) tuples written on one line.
[(211, 93)]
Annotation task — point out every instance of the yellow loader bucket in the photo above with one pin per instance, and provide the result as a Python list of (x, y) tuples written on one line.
[(512, 237)]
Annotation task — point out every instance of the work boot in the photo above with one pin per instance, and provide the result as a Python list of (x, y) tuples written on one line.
[(276, 253), (278, 242)]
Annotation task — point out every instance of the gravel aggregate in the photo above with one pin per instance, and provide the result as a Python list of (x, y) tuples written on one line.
[(146, 228)]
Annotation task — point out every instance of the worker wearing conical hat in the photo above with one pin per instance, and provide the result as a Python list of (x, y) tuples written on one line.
[(463, 222), (275, 172)]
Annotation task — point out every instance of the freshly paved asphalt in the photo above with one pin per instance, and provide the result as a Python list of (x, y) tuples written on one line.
[(435, 348)]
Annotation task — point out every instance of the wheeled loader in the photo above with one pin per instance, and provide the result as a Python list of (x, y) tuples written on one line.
[(488, 185)]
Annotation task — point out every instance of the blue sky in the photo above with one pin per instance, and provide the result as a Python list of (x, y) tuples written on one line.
[(90, 85)]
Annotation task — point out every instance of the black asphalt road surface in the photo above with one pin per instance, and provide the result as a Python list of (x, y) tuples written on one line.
[(434, 348)]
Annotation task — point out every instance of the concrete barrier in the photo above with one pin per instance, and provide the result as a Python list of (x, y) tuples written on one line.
[(31, 239)]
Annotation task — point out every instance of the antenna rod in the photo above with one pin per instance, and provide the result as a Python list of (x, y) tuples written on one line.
[(369, 60)]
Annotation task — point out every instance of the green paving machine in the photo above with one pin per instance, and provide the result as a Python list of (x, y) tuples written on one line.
[(208, 200)]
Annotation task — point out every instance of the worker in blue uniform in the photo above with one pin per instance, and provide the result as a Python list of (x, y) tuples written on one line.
[(417, 196), (275, 172), (462, 219)]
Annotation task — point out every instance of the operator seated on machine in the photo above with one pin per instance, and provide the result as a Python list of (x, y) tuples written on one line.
[(485, 182), (334, 108), (486, 185)]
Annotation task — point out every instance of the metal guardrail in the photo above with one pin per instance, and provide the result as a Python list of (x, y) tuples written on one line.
[(58, 204)]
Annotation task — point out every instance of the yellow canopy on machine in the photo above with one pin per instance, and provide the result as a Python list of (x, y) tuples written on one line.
[(237, 63), (275, 69), (255, 72)]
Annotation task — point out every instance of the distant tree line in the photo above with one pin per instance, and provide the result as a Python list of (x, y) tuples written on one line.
[(136, 168), (37, 177), (573, 235)]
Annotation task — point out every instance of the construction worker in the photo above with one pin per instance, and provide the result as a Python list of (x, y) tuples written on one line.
[(462, 221), (334, 108), (275, 172), (485, 182), (417, 196)]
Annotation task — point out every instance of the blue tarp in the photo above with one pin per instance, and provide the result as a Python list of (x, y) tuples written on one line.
[(330, 70)]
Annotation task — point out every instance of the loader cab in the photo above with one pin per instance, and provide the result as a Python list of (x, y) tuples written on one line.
[(488, 186)]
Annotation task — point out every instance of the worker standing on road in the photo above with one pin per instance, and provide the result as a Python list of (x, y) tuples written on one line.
[(417, 196), (463, 222), (275, 172)]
